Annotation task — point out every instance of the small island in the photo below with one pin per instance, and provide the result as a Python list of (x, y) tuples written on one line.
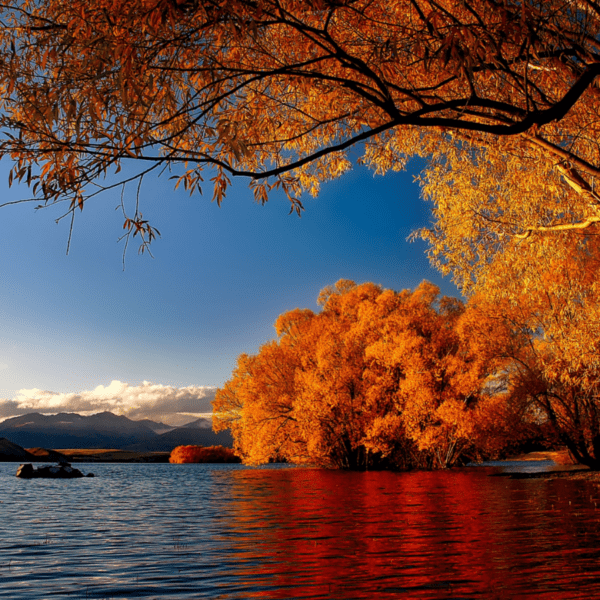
[(61, 471)]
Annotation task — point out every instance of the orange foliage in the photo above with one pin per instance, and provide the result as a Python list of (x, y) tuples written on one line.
[(377, 378), (203, 454), (552, 343), (502, 100), (279, 90)]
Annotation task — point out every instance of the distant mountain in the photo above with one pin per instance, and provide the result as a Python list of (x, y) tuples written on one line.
[(70, 430), (201, 423), (107, 430), (184, 436), (157, 427)]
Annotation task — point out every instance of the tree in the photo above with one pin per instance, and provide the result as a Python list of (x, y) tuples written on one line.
[(445, 383), (500, 97), (377, 378), (280, 90), (540, 278), (551, 341)]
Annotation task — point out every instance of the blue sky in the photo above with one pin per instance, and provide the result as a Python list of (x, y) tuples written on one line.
[(218, 280)]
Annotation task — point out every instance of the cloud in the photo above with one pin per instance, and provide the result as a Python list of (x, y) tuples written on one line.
[(9, 408), (171, 405)]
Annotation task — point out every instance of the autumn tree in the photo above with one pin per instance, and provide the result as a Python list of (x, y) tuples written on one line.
[(550, 313), (520, 238), (377, 378), (279, 91), (500, 97)]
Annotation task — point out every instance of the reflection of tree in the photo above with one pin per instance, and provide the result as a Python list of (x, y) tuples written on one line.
[(319, 534)]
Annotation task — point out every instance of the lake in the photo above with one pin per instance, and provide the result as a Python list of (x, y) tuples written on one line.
[(229, 532)]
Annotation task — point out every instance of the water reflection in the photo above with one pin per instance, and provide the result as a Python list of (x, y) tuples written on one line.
[(319, 534), (231, 533)]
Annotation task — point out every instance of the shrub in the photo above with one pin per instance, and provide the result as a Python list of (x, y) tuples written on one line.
[(202, 454)]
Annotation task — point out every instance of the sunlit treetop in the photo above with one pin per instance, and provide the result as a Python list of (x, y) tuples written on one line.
[(375, 378), (279, 91)]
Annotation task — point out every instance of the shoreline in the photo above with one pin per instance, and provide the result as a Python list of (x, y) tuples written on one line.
[(111, 455), (564, 468)]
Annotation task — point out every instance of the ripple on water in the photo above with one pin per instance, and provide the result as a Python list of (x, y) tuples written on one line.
[(228, 532)]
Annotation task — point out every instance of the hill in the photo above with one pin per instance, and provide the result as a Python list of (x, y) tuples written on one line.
[(41, 454), (157, 427), (10, 452)]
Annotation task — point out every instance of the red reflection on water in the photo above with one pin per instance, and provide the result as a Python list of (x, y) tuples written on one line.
[(461, 534)]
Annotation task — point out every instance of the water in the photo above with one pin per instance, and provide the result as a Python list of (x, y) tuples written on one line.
[(227, 532)]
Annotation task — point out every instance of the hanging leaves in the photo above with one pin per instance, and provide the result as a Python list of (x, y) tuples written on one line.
[(278, 91)]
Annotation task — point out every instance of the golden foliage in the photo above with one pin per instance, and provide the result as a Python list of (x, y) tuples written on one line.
[(377, 378), (519, 236), (279, 90), (552, 341), (501, 98)]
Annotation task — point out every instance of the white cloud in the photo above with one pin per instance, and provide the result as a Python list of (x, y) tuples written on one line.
[(171, 405)]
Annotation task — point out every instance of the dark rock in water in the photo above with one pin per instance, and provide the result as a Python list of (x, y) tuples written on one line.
[(62, 471), (25, 471)]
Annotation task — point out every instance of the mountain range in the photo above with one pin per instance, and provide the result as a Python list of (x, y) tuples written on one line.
[(107, 430)]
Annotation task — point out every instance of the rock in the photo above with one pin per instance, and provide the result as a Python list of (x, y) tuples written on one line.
[(25, 471), (61, 471)]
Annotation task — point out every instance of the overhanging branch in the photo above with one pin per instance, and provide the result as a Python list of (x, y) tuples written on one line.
[(563, 227)]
